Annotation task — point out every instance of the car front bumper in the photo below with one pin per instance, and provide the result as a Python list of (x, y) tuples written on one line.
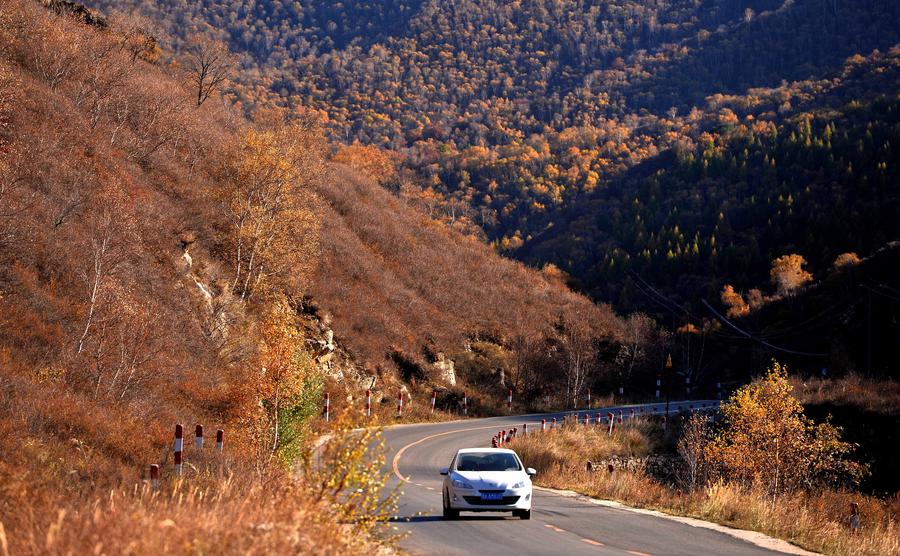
[(470, 500)]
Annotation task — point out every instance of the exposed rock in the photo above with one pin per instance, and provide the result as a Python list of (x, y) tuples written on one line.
[(186, 261), (78, 11), (446, 369)]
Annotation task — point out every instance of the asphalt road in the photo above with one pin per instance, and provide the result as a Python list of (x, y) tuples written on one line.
[(559, 524)]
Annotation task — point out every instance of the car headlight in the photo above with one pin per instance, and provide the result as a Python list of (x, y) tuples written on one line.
[(520, 484), (462, 484)]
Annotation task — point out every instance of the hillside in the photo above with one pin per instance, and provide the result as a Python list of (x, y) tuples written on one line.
[(511, 110), (814, 179), (401, 285), (694, 142), (163, 262)]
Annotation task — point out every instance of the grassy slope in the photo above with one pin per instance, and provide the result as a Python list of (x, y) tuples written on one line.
[(816, 522)]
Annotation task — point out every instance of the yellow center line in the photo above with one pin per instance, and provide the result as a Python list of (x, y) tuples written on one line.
[(592, 542), (395, 463), (555, 528), (636, 553)]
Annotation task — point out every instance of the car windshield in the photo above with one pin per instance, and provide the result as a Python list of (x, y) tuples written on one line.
[(488, 461)]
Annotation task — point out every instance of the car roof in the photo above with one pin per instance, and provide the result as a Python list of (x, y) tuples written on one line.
[(485, 450)]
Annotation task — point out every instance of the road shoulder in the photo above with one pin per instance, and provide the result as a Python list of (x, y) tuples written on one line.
[(753, 537)]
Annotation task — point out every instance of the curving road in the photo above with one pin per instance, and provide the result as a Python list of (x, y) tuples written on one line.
[(559, 524)]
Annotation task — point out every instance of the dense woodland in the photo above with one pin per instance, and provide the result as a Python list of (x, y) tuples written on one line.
[(529, 123)]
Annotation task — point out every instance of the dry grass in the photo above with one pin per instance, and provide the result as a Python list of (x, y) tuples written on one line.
[(879, 395), (814, 521), (222, 504)]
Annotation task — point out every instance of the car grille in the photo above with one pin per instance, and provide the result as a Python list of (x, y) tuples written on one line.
[(477, 501)]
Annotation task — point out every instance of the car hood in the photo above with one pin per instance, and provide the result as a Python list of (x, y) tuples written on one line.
[(491, 479)]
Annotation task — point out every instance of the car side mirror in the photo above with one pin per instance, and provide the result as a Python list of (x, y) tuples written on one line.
[(531, 472), (445, 471)]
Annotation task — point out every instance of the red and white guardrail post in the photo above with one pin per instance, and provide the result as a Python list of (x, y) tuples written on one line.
[(179, 447), (198, 437), (433, 400), (543, 425), (368, 403), (400, 406), (599, 419), (553, 424), (587, 419), (524, 429), (509, 400), (154, 477), (465, 405), (220, 440), (612, 421)]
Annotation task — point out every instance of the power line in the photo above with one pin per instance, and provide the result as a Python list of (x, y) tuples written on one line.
[(759, 340)]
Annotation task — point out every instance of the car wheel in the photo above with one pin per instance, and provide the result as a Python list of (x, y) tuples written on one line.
[(449, 513), (523, 514)]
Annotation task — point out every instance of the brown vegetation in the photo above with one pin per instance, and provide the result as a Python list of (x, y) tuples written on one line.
[(394, 278), (873, 394), (814, 514), (125, 308)]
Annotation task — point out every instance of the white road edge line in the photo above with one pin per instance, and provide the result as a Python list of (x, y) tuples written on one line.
[(753, 537)]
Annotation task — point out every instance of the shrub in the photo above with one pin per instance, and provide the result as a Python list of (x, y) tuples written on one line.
[(766, 441)]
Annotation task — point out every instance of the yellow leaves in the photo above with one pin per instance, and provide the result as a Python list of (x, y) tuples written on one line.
[(734, 301), (348, 471), (767, 441), (271, 207), (788, 273)]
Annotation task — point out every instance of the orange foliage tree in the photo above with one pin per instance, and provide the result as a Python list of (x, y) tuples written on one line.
[(272, 209), (788, 273), (767, 442)]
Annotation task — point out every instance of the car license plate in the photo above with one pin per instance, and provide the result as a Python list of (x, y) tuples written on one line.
[(492, 496)]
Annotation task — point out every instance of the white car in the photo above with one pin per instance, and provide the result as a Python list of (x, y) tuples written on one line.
[(487, 480)]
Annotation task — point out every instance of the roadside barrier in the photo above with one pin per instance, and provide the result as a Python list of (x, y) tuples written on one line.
[(505, 437), (179, 446), (465, 405), (368, 403), (154, 477), (433, 400), (327, 407), (178, 452), (400, 406), (509, 400)]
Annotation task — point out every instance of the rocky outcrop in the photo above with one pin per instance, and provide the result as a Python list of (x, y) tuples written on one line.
[(78, 11), (446, 369)]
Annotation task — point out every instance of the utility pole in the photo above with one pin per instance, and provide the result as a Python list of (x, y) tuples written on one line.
[(668, 380)]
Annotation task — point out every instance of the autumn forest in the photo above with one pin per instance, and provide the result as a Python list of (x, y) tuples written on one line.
[(219, 211)]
